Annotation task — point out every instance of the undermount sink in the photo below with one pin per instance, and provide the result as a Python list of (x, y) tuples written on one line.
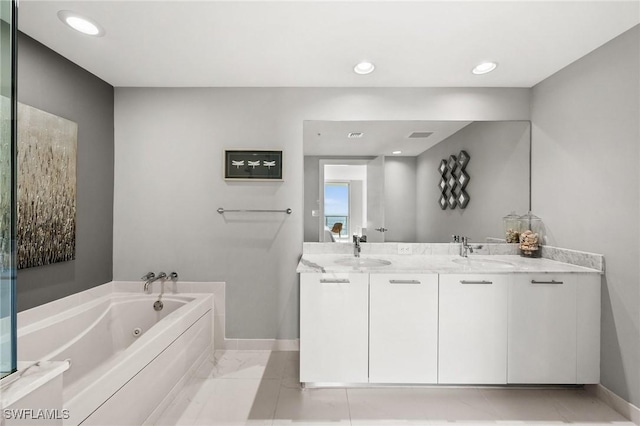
[(360, 262), (483, 263)]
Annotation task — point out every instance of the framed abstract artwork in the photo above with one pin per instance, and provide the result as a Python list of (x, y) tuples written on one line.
[(46, 159), (255, 165)]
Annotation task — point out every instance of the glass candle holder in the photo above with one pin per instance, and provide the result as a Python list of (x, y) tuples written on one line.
[(531, 235), (511, 223)]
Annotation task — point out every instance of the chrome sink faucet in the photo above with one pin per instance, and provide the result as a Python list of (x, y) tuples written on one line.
[(465, 248), (151, 277), (356, 246)]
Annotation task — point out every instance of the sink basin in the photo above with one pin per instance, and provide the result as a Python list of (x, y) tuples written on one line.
[(360, 262), (483, 263)]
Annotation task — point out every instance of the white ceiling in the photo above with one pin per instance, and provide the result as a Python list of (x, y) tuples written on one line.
[(329, 138), (316, 44)]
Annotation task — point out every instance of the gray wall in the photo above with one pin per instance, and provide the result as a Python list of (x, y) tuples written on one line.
[(499, 181), (311, 197), (586, 187), (168, 183), (49, 82), (400, 199)]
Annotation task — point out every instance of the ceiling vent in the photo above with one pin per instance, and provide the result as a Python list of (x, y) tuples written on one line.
[(417, 135), (355, 135)]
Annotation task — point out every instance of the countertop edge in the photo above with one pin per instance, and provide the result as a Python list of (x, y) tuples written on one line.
[(325, 263)]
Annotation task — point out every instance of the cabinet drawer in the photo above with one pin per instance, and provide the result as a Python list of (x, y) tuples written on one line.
[(403, 328)]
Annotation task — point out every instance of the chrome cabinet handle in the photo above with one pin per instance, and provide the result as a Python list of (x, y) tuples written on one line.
[(334, 281), (546, 282), (404, 282), (381, 229), (475, 282)]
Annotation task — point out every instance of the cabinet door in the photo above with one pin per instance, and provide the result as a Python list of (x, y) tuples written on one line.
[(542, 329), (588, 322), (333, 328), (403, 328), (473, 329)]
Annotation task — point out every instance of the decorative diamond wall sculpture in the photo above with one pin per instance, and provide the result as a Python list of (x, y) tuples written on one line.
[(443, 201), (453, 181), (443, 168), (443, 184)]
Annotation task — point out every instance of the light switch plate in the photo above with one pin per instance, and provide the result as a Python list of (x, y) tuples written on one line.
[(315, 213), (405, 249)]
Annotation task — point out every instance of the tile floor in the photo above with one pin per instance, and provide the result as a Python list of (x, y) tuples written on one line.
[(261, 388)]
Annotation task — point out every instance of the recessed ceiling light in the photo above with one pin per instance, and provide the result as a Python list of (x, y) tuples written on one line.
[(484, 68), (355, 135), (364, 68), (397, 152), (81, 23)]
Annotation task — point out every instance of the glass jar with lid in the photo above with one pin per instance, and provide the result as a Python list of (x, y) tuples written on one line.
[(511, 224), (531, 235)]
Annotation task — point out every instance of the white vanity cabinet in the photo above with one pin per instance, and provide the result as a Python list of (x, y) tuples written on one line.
[(542, 329), (334, 325), (411, 327), (403, 328), (473, 329), (554, 329)]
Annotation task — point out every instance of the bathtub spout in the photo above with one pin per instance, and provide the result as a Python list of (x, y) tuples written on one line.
[(151, 279)]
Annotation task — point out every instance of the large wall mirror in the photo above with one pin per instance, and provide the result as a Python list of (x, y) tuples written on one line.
[(381, 179)]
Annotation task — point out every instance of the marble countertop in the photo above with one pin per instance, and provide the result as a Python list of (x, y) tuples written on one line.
[(441, 264)]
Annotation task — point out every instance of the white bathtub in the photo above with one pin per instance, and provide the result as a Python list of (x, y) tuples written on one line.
[(118, 376)]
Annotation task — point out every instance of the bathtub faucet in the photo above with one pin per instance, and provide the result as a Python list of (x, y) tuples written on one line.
[(148, 276), (151, 277)]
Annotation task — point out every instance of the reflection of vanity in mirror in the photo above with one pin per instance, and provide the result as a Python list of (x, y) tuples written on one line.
[(381, 179)]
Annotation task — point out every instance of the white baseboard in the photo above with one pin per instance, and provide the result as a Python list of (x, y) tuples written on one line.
[(623, 407)]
